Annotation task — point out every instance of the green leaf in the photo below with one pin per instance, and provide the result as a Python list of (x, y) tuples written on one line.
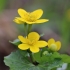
[(51, 60), (40, 58), (54, 64), (65, 58), (56, 55), (16, 42), (18, 61), (51, 65), (37, 57)]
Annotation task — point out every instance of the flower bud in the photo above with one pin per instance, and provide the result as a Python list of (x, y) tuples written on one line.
[(53, 47)]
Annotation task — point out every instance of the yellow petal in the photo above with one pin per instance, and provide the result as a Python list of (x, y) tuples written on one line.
[(41, 44), (58, 43), (42, 20), (37, 13), (23, 46), (22, 39), (33, 36), (51, 41), (34, 49), (19, 20), (37, 21), (22, 13)]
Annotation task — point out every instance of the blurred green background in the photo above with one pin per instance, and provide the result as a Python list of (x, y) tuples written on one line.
[(58, 27)]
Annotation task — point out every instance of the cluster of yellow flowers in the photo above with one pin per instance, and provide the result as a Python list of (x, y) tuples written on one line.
[(31, 41)]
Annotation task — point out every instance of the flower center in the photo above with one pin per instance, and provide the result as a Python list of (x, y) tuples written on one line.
[(53, 47), (31, 42), (30, 18)]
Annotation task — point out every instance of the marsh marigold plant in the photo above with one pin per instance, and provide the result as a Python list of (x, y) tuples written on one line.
[(31, 52)]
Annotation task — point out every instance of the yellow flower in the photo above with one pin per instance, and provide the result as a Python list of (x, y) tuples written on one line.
[(54, 46), (31, 42), (30, 17)]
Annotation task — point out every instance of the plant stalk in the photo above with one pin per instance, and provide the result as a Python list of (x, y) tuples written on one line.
[(29, 28), (25, 29)]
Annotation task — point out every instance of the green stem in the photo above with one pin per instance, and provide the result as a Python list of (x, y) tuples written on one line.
[(25, 29), (28, 31), (31, 57), (29, 28)]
